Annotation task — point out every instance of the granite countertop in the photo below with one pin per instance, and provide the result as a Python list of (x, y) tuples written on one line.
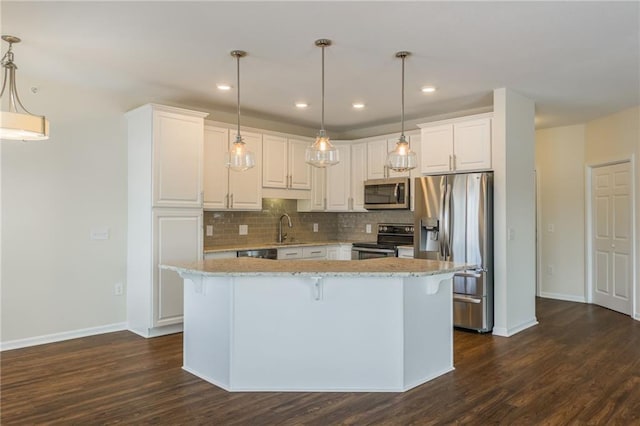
[(258, 246), (380, 267)]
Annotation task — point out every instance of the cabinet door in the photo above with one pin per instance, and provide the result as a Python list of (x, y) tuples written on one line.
[(358, 175), (338, 181), (437, 149), (290, 253), (216, 174), (275, 162), (177, 239), (299, 170), (319, 189), (177, 160), (245, 188), (377, 159), (472, 145)]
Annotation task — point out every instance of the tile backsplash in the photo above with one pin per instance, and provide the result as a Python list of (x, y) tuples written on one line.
[(263, 225)]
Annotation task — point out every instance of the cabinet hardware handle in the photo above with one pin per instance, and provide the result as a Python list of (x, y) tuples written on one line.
[(454, 161), (226, 201), (316, 252), (324, 204), (449, 161), (231, 202)]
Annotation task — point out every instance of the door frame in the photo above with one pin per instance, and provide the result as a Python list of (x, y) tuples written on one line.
[(589, 234)]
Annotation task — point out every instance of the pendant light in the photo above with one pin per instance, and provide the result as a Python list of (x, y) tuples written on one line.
[(239, 158), (322, 153), (402, 158), (19, 125)]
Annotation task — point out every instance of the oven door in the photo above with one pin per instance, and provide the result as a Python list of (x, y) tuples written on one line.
[(361, 253)]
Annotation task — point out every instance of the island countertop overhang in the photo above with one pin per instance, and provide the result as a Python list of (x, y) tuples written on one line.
[(381, 267)]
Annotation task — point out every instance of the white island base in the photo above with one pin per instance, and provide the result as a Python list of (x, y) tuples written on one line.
[(328, 333)]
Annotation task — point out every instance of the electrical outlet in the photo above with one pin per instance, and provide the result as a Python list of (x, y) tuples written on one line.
[(243, 229), (367, 228), (315, 227), (209, 230), (551, 227), (550, 269), (118, 289), (512, 234)]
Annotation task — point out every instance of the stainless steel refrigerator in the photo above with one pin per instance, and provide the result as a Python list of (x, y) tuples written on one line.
[(454, 222)]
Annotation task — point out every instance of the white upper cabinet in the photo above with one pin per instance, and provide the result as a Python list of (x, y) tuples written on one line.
[(284, 164), (339, 180), (275, 173), (169, 140), (377, 159), (299, 170), (225, 189), (457, 145), (377, 152), (216, 174), (358, 175), (318, 199), (245, 188)]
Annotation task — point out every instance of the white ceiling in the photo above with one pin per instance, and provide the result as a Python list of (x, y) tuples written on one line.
[(577, 60)]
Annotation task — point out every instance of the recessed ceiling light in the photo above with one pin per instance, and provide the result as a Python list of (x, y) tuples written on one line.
[(428, 89), (301, 104), (358, 105), (223, 86)]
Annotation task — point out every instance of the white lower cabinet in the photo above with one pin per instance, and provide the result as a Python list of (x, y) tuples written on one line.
[(289, 253), (154, 295), (319, 252), (405, 252), (339, 252), (221, 255)]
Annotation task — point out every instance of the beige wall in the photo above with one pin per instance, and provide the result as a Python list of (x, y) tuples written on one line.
[(55, 279), (563, 155), (613, 138), (560, 158)]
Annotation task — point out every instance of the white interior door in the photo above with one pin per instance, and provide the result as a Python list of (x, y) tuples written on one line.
[(612, 236)]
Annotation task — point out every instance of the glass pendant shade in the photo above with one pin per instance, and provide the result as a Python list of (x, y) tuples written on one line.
[(322, 153), (402, 158), (15, 125), (239, 158)]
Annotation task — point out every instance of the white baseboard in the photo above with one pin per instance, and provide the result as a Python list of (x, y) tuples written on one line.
[(58, 337), (508, 332), (565, 297)]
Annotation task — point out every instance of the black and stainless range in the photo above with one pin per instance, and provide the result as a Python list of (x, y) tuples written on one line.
[(390, 236)]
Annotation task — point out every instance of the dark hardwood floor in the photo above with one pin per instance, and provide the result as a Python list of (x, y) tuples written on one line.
[(581, 365)]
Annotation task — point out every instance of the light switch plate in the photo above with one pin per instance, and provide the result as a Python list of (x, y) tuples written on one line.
[(243, 229), (368, 228), (100, 233)]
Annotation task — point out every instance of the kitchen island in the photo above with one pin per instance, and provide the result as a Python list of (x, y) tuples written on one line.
[(368, 325)]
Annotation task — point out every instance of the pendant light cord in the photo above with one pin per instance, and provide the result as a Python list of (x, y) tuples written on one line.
[(322, 97), (402, 109), (238, 137)]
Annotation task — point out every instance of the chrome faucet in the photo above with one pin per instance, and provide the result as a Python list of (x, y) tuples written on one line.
[(281, 236)]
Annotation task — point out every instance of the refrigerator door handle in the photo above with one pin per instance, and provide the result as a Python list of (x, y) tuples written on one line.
[(466, 299), (447, 225), (443, 226)]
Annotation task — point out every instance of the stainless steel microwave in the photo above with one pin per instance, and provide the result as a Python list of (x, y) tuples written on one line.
[(386, 194)]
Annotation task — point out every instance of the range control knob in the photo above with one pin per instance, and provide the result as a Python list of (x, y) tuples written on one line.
[(408, 229), (383, 228)]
